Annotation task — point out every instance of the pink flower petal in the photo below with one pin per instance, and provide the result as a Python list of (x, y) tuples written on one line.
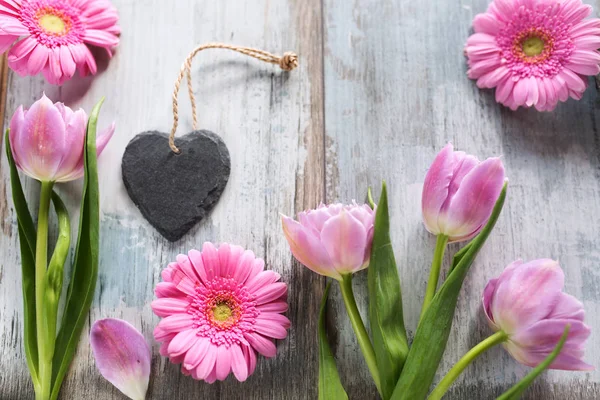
[(196, 353), (207, 364), (239, 366), (67, 63), (270, 329), (540, 339), (250, 356), (270, 292), (223, 364), (486, 23), (196, 260), (527, 295), (261, 344), (345, 239), (274, 307), (167, 306), (436, 186), (567, 307), (122, 356), (182, 342), (244, 266), (210, 259), (308, 249), (474, 200), (100, 38)]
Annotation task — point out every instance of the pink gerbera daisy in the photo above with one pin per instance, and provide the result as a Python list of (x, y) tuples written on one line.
[(534, 52), (219, 307), (56, 34)]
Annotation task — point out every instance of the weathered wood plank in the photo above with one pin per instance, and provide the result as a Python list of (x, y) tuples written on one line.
[(272, 123), (395, 93)]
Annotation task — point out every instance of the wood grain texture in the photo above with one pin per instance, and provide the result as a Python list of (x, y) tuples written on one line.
[(380, 89), (395, 93), (272, 123)]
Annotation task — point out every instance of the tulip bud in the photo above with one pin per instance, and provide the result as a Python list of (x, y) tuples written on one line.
[(527, 303), (459, 194), (47, 141), (332, 240)]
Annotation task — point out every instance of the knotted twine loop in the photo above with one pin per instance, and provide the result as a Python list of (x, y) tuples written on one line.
[(287, 62)]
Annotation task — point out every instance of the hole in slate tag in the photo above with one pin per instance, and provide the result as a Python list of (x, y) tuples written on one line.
[(175, 191)]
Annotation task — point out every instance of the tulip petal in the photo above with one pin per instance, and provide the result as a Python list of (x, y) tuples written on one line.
[(315, 218), (345, 239), (72, 144), (527, 294), (16, 139), (122, 356), (488, 295), (101, 141), (568, 307), (463, 164), (42, 134), (435, 188), (537, 342), (308, 249), (474, 200), (490, 291)]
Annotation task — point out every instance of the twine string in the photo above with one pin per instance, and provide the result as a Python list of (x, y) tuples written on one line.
[(287, 62)]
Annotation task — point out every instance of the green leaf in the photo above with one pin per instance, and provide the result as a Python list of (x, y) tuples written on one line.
[(27, 239), (330, 386), (459, 255), (54, 274), (385, 302), (516, 391), (84, 273), (370, 199), (432, 335)]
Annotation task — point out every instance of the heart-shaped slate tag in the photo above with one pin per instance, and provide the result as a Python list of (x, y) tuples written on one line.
[(175, 191)]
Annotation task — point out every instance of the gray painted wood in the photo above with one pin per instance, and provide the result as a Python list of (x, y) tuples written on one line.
[(272, 124), (395, 93), (380, 89)]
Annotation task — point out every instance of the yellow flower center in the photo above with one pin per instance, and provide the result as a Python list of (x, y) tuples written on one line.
[(222, 312), (533, 46)]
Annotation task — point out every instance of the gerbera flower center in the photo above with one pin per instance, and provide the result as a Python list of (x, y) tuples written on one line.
[(54, 23), (224, 311), (533, 46)]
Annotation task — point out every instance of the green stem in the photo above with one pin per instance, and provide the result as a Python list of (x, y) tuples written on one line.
[(359, 328), (434, 274), (459, 367), (41, 263)]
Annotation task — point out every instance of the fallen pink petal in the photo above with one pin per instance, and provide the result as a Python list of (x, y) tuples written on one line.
[(122, 356)]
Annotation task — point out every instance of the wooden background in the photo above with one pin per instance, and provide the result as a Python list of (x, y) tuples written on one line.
[(380, 89)]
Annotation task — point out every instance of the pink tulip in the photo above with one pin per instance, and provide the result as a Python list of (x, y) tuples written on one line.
[(527, 303), (47, 141), (459, 193), (332, 240)]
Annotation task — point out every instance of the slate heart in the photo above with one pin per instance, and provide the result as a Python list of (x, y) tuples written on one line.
[(175, 191)]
